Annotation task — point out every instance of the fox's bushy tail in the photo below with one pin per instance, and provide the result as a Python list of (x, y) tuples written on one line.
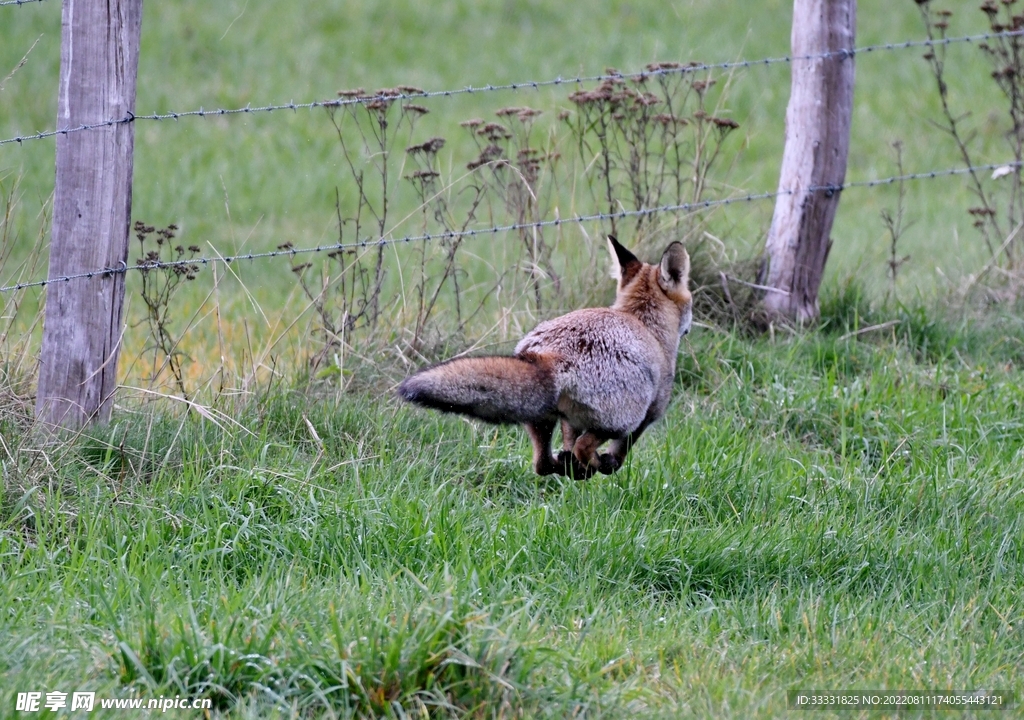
[(497, 389)]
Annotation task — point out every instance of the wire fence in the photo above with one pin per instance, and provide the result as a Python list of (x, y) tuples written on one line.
[(514, 227), (17, 2), (402, 93)]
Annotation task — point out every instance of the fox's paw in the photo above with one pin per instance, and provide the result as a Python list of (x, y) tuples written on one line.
[(570, 467), (608, 463), (548, 466)]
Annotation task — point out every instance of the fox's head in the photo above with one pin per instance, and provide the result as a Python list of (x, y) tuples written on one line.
[(655, 293)]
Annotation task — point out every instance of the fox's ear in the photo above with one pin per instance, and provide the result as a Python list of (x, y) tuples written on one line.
[(675, 266), (624, 263)]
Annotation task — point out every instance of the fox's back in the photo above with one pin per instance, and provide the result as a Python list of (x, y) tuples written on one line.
[(607, 367)]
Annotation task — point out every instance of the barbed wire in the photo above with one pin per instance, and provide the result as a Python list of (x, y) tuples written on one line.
[(384, 241), (401, 95), (513, 227), (17, 2)]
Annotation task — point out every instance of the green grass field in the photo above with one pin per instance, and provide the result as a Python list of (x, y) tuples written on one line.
[(252, 182), (820, 514), (828, 511)]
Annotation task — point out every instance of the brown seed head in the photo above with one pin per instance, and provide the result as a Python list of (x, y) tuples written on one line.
[(430, 147), (725, 123), (423, 175), (494, 132)]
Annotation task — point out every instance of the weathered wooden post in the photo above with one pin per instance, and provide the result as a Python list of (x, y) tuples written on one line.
[(814, 160), (91, 211)]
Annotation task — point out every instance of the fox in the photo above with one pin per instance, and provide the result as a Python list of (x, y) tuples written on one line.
[(605, 373)]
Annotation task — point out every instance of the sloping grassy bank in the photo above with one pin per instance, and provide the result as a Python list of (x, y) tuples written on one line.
[(817, 513)]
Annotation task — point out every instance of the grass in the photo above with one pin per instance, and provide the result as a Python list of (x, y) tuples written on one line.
[(836, 510), (814, 513), (252, 182)]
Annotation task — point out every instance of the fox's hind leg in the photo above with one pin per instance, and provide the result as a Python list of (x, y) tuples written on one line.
[(544, 463), (540, 436), (569, 435), (566, 460), (565, 463), (612, 460), (584, 452)]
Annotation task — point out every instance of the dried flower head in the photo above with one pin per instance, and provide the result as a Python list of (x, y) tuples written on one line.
[(524, 114), (667, 119), (487, 155), (663, 66), (423, 175), (646, 99), (725, 123), (430, 147), (494, 132)]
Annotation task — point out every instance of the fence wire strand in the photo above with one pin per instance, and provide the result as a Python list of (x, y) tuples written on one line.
[(17, 2), (527, 85), (513, 227)]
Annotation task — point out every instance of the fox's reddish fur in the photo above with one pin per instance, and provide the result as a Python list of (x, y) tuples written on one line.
[(604, 373)]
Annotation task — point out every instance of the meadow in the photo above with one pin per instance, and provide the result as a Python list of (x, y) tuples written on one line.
[(826, 510)]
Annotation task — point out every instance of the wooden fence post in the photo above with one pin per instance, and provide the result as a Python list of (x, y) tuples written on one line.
[(817, 142), (91, 211)]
